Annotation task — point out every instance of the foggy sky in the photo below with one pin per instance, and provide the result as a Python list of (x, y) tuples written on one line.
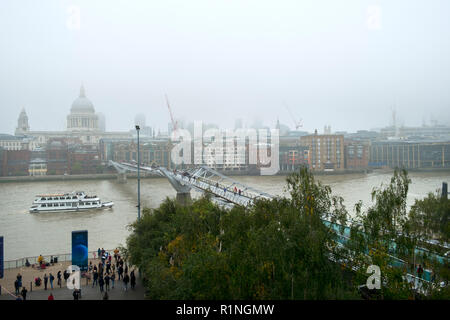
[(218, 60)]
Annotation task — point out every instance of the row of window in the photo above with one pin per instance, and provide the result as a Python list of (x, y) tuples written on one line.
[(68, 204)]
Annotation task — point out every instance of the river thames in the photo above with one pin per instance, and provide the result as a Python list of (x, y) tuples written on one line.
[(27, 234)]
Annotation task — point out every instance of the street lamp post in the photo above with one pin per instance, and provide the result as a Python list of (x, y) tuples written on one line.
[(139, 173)]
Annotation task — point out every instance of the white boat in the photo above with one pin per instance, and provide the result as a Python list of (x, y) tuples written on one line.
[(75, 201)]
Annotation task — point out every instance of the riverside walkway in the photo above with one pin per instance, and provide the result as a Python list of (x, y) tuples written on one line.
[(88, 292)]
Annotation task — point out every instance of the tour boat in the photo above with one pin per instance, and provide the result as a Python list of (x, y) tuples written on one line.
[(75, 201)]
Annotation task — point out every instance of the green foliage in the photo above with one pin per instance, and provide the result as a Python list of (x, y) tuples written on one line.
[(281, 248), (387, 222), (276, 249)]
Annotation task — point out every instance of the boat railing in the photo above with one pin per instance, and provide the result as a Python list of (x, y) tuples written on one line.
[(61, 257)]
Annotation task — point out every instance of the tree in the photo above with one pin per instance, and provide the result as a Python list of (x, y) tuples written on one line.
[(276, 249)]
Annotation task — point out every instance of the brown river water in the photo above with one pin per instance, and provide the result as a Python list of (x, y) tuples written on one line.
[(27, 234)]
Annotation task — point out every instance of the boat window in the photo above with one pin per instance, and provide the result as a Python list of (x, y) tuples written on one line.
[(43, 198), (50, 205), (44, 205), (74, 197)]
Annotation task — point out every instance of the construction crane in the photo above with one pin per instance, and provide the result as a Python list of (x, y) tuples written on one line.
[(174, 123), (297, 124)]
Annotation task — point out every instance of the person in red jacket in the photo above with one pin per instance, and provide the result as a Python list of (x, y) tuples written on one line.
[(50, 297)]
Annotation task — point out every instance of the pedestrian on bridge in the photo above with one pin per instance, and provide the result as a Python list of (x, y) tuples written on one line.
[(420, 271)]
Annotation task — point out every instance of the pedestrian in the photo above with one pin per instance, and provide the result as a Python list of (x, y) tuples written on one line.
[(66, 276), (126, 279), (132, 280), (107, 278), (24, 293), (50, 297), (420, 271), (19, 279), (51, 278), (99, 252), (126, 269), (16, 286), (58, 277), (113, 278), (120, 271), (95, 282), (45, 281), (101, 282), (108, 267), (113, 268), (90, 266), (93, 253)]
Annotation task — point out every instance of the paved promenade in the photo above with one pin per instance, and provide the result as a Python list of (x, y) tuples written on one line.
[(88, 293)]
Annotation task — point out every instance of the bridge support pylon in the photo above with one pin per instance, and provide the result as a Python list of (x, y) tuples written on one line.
[(184, 198)]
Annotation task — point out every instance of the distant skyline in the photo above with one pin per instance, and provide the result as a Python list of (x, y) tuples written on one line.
[(343, 64)]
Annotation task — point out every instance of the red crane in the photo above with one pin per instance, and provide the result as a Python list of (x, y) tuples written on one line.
[(174, 123)]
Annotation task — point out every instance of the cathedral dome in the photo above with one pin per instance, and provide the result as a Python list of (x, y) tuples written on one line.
[(82, 104)]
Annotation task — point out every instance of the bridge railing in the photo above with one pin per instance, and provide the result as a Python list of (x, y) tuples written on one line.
[(61, 257)]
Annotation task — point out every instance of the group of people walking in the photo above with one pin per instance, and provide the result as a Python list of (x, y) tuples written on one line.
[(104, 275)]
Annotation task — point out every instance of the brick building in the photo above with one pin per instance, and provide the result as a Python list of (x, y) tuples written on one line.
[(15, 162), (356, 154), (153, 152), (84, 159), (326, 151), (57, 156)]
